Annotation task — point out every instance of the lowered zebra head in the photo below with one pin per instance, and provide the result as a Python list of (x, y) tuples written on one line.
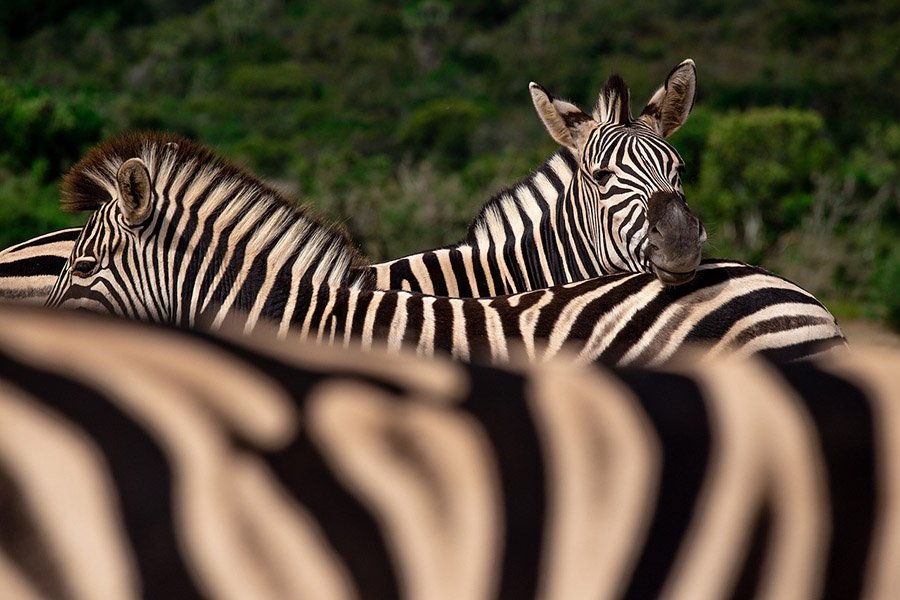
[(626, 202)]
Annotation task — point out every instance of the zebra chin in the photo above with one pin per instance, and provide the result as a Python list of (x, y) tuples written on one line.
[(673, 278)]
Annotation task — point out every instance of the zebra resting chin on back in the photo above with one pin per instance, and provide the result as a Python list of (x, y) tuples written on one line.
[(609, 201), (159, 463), (179, 236)]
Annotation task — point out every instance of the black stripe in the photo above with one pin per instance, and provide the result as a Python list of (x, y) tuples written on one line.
[(458, 264), (509, 259), (384, 314), (348, 525), (496, 400), (344, 520), (500, 284), (845, 422), (675, 407), (747, 585), (276, 301), (802, 350), (476, 331), (481, 280), (23, 541), (669, 297), (414, 320), (255, 276), (323, 295), (716, 324), (443, 324), (141, 475), (363, 300), (199, 257), (433, 265), (401, 271), (34, 266)]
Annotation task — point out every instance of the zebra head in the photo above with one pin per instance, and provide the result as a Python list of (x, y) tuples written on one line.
[(625, 209), (109, 242)]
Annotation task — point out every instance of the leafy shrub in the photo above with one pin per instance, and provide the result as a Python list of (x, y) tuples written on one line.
[(886, 288), (282, 80), (442, 127), (37, 126), (29, 206), (757, 176)]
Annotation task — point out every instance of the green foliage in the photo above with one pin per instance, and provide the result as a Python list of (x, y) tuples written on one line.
[(29, 206), (757, 175), (886, 288), (690, 141), (282, 80), (36, 126), (442, 127)]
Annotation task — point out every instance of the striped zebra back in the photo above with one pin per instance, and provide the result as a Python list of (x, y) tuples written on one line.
[(29, 270), (171, 464)]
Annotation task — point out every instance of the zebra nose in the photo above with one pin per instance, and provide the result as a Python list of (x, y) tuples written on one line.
[(674, 239)]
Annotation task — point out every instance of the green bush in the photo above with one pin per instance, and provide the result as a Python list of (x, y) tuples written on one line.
[(281, 80), (442, 127), (29, 206), (886, 287), (37, 126), (757, 176)]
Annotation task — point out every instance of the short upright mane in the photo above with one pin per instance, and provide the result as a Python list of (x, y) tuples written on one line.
[(171, 158), (509, 198)]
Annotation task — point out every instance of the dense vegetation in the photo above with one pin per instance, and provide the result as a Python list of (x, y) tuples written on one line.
[(401, 118)]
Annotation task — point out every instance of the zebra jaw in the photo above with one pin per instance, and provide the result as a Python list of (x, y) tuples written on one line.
[(672, 278)]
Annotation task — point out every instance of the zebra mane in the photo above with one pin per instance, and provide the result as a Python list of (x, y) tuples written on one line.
[(282, 226), (493, 212)]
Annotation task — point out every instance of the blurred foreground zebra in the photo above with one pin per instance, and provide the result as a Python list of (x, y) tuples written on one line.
[(143, 461), (179, 236), (618, 207)]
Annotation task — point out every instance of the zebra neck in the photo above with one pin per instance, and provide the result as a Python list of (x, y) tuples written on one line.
[(515, 230), (573, 231)]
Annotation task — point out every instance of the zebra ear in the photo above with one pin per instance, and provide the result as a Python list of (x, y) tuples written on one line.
[(672, 103), (567, 124), (614, 104), (135, 191)]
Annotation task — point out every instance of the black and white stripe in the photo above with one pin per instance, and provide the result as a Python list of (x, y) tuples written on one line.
[(29, 270), (202, 241), (159, 463)]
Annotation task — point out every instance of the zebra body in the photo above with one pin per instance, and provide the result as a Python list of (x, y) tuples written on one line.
[(198, 242), (171, 464), (29, 270)]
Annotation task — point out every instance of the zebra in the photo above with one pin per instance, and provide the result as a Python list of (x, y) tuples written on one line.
[(28, 270), (610, 200), (180, 236), (164, 463), (534, 234)]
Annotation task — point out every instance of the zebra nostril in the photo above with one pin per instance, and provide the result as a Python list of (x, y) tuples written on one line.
[(655, 231)]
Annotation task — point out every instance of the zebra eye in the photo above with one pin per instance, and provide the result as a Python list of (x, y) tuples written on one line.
[(602, 176), (85, 266)]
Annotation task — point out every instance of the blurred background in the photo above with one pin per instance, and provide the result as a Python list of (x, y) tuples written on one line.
[(401, 118)]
